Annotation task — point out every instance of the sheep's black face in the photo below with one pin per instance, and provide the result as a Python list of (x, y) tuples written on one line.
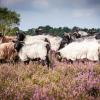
[(20, 36), (65, 40), (76, 36), (97, 36), (18, 45)]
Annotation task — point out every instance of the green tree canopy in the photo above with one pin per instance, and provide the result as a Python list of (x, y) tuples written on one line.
[(9, 21)]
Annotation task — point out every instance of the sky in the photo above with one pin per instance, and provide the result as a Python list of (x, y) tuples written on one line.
[(56, 13)]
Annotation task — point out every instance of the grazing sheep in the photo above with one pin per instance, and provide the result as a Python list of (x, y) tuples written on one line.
[(7, 52), (34, 51), (81, 50)]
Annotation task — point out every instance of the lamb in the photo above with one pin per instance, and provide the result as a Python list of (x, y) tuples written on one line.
[(7, 52), (81, 50), (34, 51)]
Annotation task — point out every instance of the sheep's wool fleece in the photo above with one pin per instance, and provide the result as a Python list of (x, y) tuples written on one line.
[(54, 41), (7, 50), (31, 39), (32, 51), (80, 50)]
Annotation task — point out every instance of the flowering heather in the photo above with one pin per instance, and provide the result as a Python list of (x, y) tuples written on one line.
[(76, 81)]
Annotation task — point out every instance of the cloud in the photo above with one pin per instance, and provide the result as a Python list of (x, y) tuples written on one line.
[(56, 12), (25, 5), (93, 2), (38, 3), (83, 13), (47, 5)]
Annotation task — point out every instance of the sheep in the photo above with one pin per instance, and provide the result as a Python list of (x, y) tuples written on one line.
[(81, 50), (7, 52), (54, 41), (5, 39), (34, 51)]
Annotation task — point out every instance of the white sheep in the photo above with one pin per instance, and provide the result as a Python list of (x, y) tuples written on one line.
[(81, 50), (54, 41), (33, 51)]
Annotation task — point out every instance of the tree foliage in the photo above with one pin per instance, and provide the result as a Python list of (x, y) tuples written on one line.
[(60, 30), (9, 21)]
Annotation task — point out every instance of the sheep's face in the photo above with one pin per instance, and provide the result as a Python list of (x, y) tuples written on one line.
[(65, 40), (20, 36), (18, 45), (97, 36)]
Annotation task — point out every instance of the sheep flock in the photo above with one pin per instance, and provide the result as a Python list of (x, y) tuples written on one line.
[(71, 48)]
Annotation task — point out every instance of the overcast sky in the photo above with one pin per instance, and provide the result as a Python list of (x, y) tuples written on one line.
[(34, 13)]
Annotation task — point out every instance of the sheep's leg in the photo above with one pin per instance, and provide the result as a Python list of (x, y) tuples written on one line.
[(1, 61), (26, 62), (43, 62), (47, 61), (70, 61), (16, 59)]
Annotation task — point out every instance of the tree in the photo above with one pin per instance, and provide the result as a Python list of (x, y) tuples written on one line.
[(8, 21), (75, 29), (66, 29), (31, 32)]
